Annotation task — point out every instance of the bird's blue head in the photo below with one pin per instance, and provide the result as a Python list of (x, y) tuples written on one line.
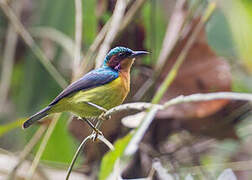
[(121, 57)]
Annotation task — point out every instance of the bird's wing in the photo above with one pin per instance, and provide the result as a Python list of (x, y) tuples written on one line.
[(92, 79)]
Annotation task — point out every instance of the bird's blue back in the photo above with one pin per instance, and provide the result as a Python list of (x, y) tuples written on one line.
[(92, 79)]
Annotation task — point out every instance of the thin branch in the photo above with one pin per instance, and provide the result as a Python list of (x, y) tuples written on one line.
[(8, 57), (107, 142), (141, 106), (77, 154), (27, 150), (78, 37), (209, 97), (113, 30), (90, 137), (42, 147), (20, 29)]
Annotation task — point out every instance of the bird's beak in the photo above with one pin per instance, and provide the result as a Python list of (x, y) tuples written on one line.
[(138, 53)]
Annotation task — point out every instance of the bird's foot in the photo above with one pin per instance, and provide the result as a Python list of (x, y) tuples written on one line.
[(96, 133), (103, 117)]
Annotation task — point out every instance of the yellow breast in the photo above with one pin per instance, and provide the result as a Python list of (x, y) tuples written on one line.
[(106, 96)]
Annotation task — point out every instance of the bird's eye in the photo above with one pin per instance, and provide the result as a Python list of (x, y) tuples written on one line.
[(120, 54)]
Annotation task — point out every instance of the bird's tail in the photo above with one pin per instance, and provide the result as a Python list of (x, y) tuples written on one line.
[(36, 117)]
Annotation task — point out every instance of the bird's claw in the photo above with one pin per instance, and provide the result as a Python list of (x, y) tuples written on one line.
[(103, 117), (97, 132)]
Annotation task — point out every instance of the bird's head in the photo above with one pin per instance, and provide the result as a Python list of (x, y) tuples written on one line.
[(120, 58)]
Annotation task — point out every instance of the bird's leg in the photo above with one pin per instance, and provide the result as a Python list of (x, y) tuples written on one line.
[(96, 130), (100, 108), (101, 118), (97, 106)]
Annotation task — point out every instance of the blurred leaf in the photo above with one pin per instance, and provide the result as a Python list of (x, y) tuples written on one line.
[(239, 16), (10, 126), (108, 161), (89, 22), (159, 25), (219, 36), (133, 121)]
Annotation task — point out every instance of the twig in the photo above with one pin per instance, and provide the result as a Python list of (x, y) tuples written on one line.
[(141, 106), (107, 142), (208, 97), (42, 147), (131, 106), (113, 30), (26, 151), (20, 29), (78, 38), (77, 154), (92, 136), (8, 57)]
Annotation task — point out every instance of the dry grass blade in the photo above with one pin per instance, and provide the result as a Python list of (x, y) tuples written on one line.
[(8, 57), (78, 38), (27, 150), (171, 37), (172, 74), (55, 35), (172, 34), (42, 147), (113, 30), (86, 63), (131, 13), (20, 29)]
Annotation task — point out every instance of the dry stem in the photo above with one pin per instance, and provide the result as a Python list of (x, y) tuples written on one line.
[(8, 57), (78, 37), (20, 29), (113, 30)]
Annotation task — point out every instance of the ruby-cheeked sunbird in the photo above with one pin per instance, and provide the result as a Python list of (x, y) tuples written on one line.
[(104, 87)]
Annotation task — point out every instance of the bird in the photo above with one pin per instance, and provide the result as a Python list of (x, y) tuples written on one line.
[(97, 91)]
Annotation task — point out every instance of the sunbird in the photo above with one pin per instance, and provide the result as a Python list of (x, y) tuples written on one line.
[(99, 89)]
